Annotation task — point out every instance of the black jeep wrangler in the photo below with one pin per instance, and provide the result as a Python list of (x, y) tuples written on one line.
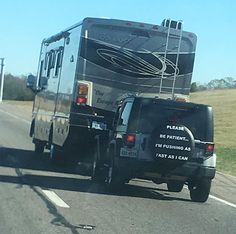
[(161, 140)]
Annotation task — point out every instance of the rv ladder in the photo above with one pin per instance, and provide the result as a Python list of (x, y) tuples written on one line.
[(167, 23)]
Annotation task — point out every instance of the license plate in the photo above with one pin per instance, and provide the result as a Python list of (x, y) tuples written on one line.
[(99, 125), (124, 152)]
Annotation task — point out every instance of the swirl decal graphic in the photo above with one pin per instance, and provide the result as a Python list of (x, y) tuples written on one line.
[(135, 64), (139, 64)]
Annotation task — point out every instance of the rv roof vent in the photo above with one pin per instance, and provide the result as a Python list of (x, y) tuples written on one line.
[(172, 24)]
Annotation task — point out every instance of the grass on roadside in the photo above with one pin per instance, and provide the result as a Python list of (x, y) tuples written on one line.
[(224, 108), (226, 160), (19, 103)]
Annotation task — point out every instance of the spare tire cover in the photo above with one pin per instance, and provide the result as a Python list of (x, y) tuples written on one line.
[(173, 144)]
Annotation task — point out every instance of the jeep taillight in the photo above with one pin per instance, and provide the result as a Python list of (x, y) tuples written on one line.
[(82, 94), (210, 148), (130, 140)]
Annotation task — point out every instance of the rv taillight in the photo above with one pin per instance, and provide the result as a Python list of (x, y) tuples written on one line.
[(82, 94), (81, 100), (83, 89), (130, 140)]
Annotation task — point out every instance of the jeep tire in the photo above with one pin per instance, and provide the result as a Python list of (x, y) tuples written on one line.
[(172, 159), (200, 190), (114, 179)]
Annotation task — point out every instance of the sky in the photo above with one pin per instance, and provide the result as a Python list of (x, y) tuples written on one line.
[(24, 23)]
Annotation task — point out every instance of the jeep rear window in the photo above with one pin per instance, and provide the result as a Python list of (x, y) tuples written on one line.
[(153, 116)]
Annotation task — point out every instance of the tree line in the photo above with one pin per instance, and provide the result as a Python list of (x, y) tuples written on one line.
[(224, 83), (15, 87)]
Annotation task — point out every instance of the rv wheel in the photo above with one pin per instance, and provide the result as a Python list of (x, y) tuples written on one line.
[(56, 154), (39, 147), (98, 170)]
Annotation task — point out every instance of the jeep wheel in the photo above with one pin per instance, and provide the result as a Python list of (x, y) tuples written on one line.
[(114, 180), (56, 154), (200, 191), (175, 186), (98, 170)]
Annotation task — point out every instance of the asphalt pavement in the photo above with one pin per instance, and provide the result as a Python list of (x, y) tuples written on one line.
[(37, 197)]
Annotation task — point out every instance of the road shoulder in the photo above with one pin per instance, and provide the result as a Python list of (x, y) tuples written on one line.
[(224, 187)]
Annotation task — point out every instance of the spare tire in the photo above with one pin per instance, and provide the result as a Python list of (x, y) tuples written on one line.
[(173, 145)]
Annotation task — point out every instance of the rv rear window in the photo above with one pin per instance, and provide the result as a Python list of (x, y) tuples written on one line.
[(58, 61), (46, 61), (50, 59)]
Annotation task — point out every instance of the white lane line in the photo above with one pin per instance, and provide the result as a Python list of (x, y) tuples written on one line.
[(53, 197), (14, 116), (223, 201)]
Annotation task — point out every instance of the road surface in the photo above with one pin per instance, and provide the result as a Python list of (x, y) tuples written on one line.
[(39, 198)]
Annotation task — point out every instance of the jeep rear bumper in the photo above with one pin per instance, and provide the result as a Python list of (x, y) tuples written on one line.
[(151, 170)]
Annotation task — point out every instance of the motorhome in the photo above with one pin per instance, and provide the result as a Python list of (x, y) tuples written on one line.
[(85, 70)]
